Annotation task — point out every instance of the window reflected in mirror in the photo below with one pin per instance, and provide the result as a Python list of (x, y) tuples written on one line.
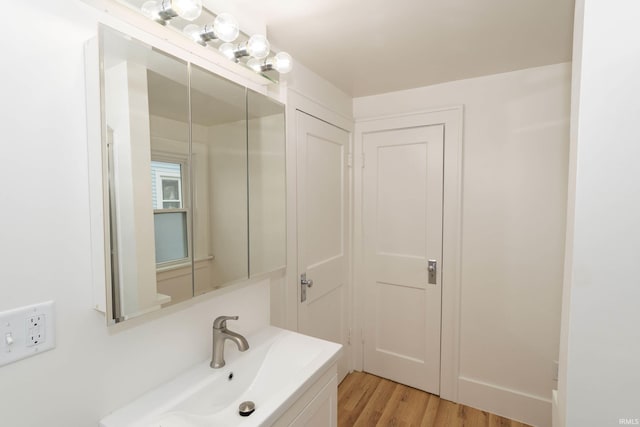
[(169, 213)]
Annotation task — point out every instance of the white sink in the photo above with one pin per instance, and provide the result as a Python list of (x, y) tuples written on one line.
[(273, 373)]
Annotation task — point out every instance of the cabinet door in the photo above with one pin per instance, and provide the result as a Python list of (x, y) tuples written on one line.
[(322, 411)]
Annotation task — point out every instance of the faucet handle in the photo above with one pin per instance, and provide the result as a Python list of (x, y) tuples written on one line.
[(221, 321)]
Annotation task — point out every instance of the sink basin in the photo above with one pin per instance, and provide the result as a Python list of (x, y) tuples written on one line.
[(273, 373)]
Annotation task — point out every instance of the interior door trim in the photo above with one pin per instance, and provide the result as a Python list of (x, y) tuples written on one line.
[(452, 119)]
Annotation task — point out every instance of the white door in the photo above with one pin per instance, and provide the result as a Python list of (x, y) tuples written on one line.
[(402, 220), (322, 231)]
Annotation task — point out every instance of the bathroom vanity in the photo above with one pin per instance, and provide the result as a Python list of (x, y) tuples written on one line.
[(188, 196), (290, 378)]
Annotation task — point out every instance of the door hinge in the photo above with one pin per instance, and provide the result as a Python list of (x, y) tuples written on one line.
[(349, 336), (350, 160)]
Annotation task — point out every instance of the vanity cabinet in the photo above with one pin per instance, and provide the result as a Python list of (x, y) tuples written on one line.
[(322, 410), (317, 407)]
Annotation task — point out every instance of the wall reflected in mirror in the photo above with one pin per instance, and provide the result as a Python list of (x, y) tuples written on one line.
[(219, 168), (194, 179), (267, 184)]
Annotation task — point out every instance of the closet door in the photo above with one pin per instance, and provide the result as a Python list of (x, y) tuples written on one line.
[(322, 231), (402, 220)]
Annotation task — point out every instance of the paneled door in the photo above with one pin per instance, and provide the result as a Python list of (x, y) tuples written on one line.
[(322, 193), (402, 228)]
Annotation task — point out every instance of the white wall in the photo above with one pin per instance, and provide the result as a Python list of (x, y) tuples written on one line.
[(45, 245), (514, 197), (600, 349)]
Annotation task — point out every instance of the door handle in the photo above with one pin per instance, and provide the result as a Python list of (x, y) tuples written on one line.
[(304, 284), (432, 268), (304, 281)]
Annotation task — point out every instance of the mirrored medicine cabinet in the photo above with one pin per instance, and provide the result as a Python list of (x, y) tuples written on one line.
[(193, 169)]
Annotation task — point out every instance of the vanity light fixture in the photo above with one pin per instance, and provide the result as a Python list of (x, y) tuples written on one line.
[(163, 11), (224, 28)]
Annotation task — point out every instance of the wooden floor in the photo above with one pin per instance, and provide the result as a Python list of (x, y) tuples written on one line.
[(366, 400)]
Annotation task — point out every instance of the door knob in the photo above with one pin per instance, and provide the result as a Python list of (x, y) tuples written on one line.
[(305, 281), (304, 284)]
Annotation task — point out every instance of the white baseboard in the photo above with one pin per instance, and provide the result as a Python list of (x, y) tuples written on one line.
[(518, 406)]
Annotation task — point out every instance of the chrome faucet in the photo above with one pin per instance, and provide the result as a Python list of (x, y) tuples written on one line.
[(220, 335)]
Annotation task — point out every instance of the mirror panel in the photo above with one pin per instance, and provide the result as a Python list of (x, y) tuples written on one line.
[(146, 145), (267, 184), (171, 185), (219, 167)]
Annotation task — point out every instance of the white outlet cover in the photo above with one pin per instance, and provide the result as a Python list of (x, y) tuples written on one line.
[(17, 326)]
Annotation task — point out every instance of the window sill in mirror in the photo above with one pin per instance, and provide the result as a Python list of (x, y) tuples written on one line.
[(177, 266), (163, 299)]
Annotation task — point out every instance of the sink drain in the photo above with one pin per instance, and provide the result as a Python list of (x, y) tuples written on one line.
[(246, 408)]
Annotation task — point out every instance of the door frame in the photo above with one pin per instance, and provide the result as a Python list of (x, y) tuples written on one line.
[(452, 119)]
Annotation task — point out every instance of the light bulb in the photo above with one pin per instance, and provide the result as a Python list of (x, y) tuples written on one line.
[(255, 64), (187, 9), (258, 46), (194, 32), (225, 27), (151, 9), (228, 50), (282, 62)]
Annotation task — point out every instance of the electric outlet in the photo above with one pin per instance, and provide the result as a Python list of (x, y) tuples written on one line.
[(26, 331), (36, 328)]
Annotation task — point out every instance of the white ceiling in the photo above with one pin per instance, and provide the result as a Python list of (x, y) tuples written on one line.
[(366, 47)]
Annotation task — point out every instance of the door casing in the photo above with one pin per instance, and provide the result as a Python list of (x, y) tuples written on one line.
[(451, 118)]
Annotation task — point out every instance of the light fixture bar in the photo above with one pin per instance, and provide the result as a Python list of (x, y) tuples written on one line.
[(225, 29)]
